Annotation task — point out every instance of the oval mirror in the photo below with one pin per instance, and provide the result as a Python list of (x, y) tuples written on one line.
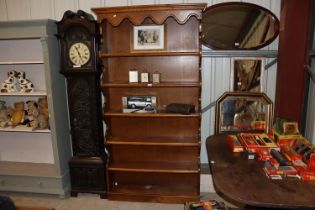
[(238, 26)]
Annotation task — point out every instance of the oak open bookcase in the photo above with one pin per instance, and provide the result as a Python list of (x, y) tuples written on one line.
[(152, 156)]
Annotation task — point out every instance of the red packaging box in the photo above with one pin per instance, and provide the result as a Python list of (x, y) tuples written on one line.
[(307, 175), (234, 143), (263, 155), (299, 165), (274, 162), (255, 142), (291, 153), (311, 164)]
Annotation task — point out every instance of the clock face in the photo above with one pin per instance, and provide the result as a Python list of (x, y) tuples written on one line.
[(79, 54)]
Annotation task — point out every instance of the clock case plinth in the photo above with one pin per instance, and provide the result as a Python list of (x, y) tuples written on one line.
[(88, 164)]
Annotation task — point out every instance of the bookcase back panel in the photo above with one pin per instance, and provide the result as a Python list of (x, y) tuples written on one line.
[(155, 183), (154, 127), (33, 72), (119, 39), (150, 154), (21, 50), (164, 96), (172, 68)]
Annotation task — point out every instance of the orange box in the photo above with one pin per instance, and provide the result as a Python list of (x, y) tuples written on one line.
[(284, 139)]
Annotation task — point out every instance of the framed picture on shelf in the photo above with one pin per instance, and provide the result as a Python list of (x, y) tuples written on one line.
[(156, 77), (247, 74), (148, 37), (133, 76), (144, 77)]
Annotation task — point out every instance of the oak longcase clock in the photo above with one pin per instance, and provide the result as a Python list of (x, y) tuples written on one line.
[(79, 38)]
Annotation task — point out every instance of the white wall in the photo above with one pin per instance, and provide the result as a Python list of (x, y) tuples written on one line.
[(215, 71)]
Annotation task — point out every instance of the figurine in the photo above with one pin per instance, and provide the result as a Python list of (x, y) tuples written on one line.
[(4, 117), (32, 115), (43, 117), (26, 86), (9, 85), (18, 114)]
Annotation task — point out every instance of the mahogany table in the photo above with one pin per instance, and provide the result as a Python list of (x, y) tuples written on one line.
[(244, 183)]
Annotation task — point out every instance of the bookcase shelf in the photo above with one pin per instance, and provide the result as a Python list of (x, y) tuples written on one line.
[(154, 141), (158, 167), (24, 128), (149, 85), (150, 192), (35, 93), (148, 54), (159, 114), (20, 62)]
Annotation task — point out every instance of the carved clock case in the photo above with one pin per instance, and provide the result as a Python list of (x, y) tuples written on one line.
[(79, 37)]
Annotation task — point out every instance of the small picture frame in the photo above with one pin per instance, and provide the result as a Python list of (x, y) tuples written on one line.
[(144, 77), (156, 78), (148, 37), (247, 74), (133, 76), (290, 128)]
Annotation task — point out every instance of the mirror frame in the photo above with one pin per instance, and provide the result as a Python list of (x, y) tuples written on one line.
[(277, 25), (244, 95)]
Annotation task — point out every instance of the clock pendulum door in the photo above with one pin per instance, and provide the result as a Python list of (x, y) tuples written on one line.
[(79, 38)]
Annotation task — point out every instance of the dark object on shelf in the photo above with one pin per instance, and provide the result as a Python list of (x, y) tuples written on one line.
[(178, 108), (6, 203)]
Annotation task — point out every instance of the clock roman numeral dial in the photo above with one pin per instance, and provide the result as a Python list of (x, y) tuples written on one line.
[(79, 54)]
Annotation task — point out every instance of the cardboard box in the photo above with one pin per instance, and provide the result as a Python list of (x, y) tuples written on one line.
[(234, 143), (254, 142), (284, 139), (307, 175)]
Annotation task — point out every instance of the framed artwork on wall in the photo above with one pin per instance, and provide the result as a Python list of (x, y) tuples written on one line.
[(148, 37), (247, 74)]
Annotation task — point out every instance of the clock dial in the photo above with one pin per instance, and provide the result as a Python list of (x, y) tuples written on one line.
[(79, 54)]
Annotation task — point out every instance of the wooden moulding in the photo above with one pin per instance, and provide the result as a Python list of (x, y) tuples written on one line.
[(157, 13)]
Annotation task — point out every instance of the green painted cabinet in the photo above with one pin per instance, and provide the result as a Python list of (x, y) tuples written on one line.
[(34, 160)]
